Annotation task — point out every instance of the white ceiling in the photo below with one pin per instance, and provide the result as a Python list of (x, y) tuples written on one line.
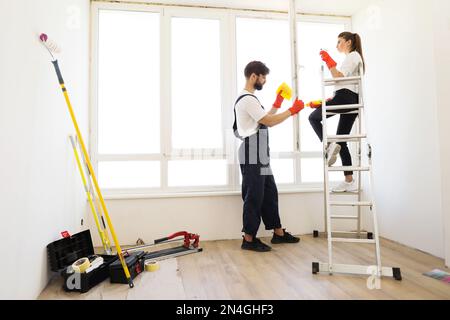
[(335, 7)]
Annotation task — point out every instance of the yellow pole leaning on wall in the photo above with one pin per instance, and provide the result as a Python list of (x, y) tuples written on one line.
[(94, 179)]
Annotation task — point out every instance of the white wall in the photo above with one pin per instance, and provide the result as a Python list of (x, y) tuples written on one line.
[(40, 191), (403, 121), (214, 218), (441, 15)]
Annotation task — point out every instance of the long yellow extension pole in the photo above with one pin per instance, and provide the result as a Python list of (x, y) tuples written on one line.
[(94, 179), (101, 231)]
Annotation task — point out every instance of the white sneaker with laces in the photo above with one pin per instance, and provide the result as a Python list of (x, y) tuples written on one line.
[(346, 187), (332, 152)]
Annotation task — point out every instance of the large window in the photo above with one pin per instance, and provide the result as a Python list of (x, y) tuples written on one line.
[(165, 81)]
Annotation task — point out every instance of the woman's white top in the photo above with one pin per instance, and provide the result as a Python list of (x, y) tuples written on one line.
[(350, 68)]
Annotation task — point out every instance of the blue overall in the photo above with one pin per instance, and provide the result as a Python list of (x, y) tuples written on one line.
[(259, 191)]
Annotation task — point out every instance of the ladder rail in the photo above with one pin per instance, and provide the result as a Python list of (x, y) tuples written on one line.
[(375, 219), (373, 208), (359, 151), (326, 174)]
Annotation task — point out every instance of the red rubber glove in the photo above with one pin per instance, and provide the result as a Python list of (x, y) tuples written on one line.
[(316, 103), (278, 102), (298, 106), (328, 60)]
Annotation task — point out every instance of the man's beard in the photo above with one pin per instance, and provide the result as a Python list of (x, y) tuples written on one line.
[(258, 86)]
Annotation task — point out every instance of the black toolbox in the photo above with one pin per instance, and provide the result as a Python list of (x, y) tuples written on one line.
[(135, 262), (63, 253)]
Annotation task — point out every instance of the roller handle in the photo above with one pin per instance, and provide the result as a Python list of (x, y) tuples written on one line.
[(173, 236), (58, 72), (162, 240)]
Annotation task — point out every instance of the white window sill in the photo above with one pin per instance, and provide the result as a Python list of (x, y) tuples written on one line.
[(203, 194)]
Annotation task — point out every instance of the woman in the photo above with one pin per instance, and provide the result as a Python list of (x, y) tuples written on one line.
[(349, 44)]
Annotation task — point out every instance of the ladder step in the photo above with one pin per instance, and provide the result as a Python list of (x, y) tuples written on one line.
[(334, 169), (337, 113), (350, 204), (357, 270), (344, 193), (346, 138), (344, 107), (340, 79), (351, 232), (345, 240), (346, 80), (344, 218)]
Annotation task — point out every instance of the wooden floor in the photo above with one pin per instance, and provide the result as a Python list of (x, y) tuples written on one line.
[(224, 271)]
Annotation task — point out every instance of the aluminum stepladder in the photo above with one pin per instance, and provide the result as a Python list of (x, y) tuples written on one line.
[(372, 238)]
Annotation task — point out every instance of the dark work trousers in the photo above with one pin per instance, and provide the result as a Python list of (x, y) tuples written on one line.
[(259, 191), (346, 121)]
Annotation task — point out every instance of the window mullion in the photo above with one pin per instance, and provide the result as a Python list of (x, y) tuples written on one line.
[(295, 76), (93, 127), (234, 167), (228, 76), (166, 141)]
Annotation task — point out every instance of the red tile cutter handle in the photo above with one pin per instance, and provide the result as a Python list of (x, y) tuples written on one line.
[(188, 238)]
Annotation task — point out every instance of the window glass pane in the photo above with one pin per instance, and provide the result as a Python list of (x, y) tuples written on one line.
[(128, 84), (196, 84), (312, 171), (312, 37), (191, 173), (267, 40), (129, 174), (283, 170)]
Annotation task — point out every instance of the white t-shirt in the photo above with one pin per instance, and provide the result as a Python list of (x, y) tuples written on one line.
[(350, 68), (248, 113)]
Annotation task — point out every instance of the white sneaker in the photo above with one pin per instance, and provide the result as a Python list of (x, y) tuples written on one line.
[(332, 152), (346, 187)]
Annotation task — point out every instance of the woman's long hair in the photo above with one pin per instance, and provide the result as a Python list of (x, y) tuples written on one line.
[(356, 44)]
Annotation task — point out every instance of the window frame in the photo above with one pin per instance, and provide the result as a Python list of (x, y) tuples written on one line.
[(207, 154), (227, 18)]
